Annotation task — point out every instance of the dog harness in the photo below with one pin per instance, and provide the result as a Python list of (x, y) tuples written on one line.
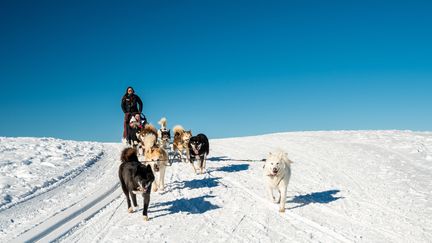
[(279, 180)]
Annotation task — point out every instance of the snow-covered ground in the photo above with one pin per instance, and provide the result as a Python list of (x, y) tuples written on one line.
[(346, 186), (30, 166)]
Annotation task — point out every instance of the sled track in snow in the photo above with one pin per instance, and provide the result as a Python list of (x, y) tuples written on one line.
[(63, 222), (53, 183), (296, 217)]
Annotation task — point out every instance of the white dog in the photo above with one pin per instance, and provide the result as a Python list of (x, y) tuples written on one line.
[(277, 173)]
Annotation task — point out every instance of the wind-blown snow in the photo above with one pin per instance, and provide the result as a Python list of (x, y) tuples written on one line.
[(30, 166), (346, 186)]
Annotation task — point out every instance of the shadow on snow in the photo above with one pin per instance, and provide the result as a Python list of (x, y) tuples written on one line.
[(232, 168), (195, 183), (315, 197), (197, 205)]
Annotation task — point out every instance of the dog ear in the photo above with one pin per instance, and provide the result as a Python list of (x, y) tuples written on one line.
[(284, 157)]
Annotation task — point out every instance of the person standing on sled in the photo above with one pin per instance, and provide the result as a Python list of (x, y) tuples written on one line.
[(131, 104)]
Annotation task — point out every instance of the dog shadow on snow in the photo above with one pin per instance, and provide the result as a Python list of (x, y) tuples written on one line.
[(197, 205), (227, 168), (315, 197), (209, 182), (231, 168)]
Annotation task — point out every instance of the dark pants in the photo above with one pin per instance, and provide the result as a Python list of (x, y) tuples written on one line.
[(126, 124)]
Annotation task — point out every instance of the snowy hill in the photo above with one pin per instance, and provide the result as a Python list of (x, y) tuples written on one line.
[(346, 186)]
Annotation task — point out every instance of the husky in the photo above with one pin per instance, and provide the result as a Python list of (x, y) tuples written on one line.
[(135, 178), (277, 173), (164, 134), (181, 141), (199, 148), (162, 122), (148, 128), (157, 157)]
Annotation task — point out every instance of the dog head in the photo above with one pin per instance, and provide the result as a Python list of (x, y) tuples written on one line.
[(149, 140), (195, 144), (275, 163), (186, 136), (144, 177), (156, 157), (147, 129), (165, 135)]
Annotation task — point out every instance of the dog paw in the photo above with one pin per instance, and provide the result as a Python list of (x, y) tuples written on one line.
[(146, 218), (130, 210), (282, 210)]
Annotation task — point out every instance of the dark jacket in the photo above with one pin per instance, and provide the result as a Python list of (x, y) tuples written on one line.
[(130, 104)]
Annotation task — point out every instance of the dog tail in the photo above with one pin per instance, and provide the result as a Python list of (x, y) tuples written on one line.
[(163, 122), (128, 155), (149, 141), (178, 130)]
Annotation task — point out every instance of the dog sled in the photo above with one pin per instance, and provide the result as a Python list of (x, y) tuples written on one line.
[(136, 122)]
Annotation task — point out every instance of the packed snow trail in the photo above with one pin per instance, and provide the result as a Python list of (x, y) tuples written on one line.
[(346, 186), (61, 207), (63, 222)]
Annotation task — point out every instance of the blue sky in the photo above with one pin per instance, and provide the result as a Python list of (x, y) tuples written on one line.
[(224, 68)]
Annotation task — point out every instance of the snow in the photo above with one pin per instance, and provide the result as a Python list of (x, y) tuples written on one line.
[(30, 166), (346, 186)]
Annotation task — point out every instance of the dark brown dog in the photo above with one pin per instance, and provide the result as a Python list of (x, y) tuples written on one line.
[(135, 178)]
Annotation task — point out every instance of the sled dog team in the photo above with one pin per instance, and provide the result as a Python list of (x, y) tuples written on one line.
[(142, 177)]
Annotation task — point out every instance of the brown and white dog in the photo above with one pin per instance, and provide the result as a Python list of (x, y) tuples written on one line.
[(147, 129), (181, 141), (157, 158)]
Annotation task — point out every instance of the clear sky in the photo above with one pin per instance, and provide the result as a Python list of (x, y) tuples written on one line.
[(224, 68)]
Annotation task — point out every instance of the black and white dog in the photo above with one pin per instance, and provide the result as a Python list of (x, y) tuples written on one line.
[(135, 178), (199, 148), (164, 134), (164, 139)]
